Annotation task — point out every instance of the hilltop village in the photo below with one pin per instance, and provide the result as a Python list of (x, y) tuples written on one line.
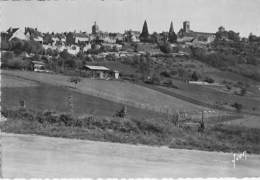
[(99, 41)]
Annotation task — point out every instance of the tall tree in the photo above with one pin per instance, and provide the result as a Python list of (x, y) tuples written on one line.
[(172, 37), (144, 36)]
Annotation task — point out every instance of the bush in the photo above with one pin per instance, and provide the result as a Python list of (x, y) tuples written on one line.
[(174, 72), (166, 48), (16, 63), (169, 83), (237, 106), (195, 76), (153, 80), (209, 80), (165, 74), (66, 119)]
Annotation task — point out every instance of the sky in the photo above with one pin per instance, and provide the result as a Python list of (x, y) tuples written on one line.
[(119, 15)]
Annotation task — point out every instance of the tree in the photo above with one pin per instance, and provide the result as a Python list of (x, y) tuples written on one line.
[(17, 46), (144, 36), (4, 45), (253, 38), (65, 55), (195, 76), (70, 38), (172, 37), (47, 39), (166, 48), (233, 36)]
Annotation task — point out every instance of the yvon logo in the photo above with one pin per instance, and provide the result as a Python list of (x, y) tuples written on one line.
[(238, 156)]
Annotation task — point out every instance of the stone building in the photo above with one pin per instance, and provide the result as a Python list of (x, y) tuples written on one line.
[(186, 34)]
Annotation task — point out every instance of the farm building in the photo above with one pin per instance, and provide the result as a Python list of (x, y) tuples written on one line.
[(38, 66), (101, 72)]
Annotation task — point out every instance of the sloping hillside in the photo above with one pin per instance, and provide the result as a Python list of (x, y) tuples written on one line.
[(117, 91)]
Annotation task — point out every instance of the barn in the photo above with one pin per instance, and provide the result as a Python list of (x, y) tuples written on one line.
[(101, 72)]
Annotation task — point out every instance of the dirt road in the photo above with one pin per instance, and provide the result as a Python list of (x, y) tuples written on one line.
[(38, 156)]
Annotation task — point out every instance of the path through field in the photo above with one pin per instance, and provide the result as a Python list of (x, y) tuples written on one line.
[(37, 156)]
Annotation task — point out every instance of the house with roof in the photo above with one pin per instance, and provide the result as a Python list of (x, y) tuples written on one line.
[(132, 36), (6, 35), (19, 33), (25, 34), (81, 38), (101, 72), (34, 34), (39, 66)]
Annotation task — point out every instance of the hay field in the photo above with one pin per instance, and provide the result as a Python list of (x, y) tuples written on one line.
[(116, 91)]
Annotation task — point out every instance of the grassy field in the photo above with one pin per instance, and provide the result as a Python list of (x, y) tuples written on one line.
[(247, 121), (47, 97), (7, 81), (117, 91), (209, 97)]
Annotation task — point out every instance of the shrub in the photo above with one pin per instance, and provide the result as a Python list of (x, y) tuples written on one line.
[(209, 80), (166, 48), (169, 83), (66, 119), (165, 74), (155, 79), (195, 76), (174, 72), (237, 106), (16, 63)]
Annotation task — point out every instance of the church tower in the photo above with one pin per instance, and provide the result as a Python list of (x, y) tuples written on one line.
[(186, 26), (95, 28)]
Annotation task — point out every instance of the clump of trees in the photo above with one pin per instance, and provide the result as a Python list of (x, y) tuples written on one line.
[(18, 46), (253, 38), (227, 35), (9, 60), (165, 47)]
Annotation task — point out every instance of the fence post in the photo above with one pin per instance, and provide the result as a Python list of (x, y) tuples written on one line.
[(1, 172)]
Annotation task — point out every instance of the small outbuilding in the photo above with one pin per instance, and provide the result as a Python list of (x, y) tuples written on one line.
[(101, 72), (38, 66)]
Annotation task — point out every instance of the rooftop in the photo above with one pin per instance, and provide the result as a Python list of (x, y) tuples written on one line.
[(101, 68)]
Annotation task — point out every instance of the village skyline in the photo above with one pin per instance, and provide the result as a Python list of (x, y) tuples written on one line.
[(118, 16)]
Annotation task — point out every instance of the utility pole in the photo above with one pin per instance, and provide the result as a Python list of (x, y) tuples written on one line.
[(202, 116), (70, 104)]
